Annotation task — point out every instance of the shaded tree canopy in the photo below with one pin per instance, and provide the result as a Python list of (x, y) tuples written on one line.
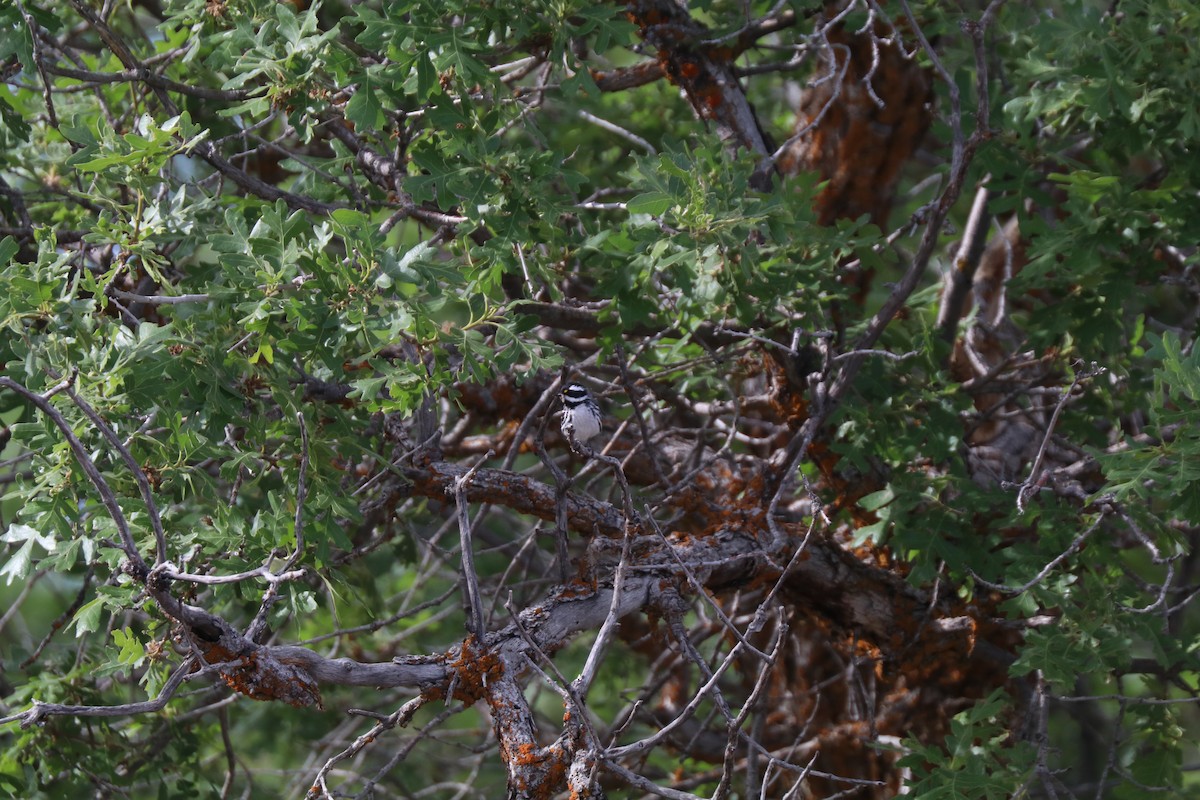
[(890, 309)]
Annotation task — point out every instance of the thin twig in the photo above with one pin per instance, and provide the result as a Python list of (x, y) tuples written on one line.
[(160, 536), (1029, 485), (275, 580), (966, 261), (612, 127), (26, 588), (582, 684), (401, 717), (1046, 570), (475, 618), (42, 401), (157, 299), (301, 492), (65, 617), (42, 710)]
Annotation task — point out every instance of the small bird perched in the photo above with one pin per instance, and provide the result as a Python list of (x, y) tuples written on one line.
[(580, 414)]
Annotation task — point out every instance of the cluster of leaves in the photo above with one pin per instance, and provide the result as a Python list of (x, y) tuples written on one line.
[(276, 301), (1091, 157)]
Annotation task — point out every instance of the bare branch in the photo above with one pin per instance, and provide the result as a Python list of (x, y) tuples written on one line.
[(965, 263), (42, 401), (160, 536), (474, 600), (1050, 566), (401, 717), (612, 127), (40, 711)]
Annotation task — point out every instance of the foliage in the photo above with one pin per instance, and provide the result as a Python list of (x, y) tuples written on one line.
[(283, 273)]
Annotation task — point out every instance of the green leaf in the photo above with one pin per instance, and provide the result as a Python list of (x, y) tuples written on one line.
[(653, 203), (13, 120), (87, 618), (132, 652), (264, 354), (1159, 767), (877, 500), (364, 109), (19, 563)]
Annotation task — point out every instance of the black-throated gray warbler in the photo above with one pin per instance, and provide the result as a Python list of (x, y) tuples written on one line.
[(580, 413)]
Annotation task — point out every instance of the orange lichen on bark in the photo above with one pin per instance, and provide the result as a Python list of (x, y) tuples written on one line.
[(628, 77), (701, 70), (264, 679), (550, 765), (474, 669), (861, 135)]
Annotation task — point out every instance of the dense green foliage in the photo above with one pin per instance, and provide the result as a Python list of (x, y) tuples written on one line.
[(250, 221)]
